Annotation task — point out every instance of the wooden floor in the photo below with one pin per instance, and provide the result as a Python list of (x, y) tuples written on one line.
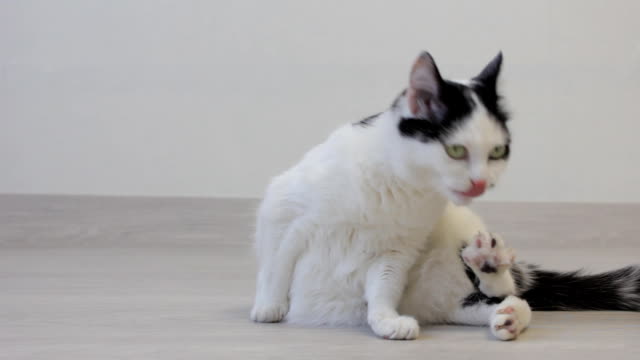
[(152, 278)]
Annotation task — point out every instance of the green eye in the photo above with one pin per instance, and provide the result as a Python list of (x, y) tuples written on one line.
[(499, 152), (457, 152)]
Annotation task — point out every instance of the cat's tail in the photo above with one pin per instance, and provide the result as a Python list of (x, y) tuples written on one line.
[(576, 290)]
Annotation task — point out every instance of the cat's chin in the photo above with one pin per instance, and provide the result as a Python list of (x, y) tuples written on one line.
[(459, 199)]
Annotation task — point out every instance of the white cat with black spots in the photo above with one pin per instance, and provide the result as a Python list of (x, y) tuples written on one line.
[(368, 227)]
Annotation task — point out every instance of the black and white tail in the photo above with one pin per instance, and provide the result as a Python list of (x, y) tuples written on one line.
[(551, 290)]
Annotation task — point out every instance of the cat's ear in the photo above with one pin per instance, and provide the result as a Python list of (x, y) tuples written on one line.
[(489, 75), (425, 83)]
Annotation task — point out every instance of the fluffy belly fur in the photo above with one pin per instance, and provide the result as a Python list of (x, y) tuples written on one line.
[(437, 286), (328, 285), (330, 289)]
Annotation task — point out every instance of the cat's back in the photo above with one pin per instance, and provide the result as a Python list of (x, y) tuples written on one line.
[(331, 160), (324, 172)]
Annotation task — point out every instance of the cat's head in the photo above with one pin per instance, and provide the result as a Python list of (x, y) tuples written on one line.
[(456, 130)]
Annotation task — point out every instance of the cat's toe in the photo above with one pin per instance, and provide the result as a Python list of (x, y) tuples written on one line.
[(396, 328), (510, 318), (268, 313), (488, 254), (505, 327)]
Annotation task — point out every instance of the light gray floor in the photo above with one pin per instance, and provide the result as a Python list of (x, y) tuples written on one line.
[(146, 278)]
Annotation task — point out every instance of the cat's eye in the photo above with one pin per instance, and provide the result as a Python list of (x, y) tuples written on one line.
[(457, 152), (499, 152)]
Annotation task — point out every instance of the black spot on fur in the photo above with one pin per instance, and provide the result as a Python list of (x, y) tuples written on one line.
[(477, 296), (472, 276), (366, 122), (487, 268)]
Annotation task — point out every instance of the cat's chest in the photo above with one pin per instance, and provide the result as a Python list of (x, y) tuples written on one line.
[(402, 209)]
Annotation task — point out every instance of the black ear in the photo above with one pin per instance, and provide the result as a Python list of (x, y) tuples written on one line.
[(425, 83), (489, 75)]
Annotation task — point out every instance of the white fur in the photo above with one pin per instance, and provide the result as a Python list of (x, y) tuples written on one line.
[(338, 235), (506, 320)]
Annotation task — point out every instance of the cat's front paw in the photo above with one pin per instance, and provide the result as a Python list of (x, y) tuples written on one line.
[(268, 312), (488, 254), (512, 316), (396, 327)]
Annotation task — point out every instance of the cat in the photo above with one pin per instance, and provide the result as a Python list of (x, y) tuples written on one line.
[(337, 233), (349, 235)]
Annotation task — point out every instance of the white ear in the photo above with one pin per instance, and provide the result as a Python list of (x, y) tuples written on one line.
[(424, 86)]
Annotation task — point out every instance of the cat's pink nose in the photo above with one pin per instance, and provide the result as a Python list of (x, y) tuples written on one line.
[(477, 188)]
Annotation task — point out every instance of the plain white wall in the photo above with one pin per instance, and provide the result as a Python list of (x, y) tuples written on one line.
[(212, 98)]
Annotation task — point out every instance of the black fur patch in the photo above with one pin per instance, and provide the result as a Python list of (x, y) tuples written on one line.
[(486, 268), (478, 297), (366, 122), (491, 101), (457, 106), (576, 291), (471, 275)]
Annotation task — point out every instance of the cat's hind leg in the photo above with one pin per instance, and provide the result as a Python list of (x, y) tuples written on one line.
[(488, 257), (506, 319)]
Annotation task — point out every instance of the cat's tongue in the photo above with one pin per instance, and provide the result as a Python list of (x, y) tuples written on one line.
[(477, 189)]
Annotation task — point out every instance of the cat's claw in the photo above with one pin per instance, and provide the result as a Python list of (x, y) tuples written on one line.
[(268, 313), (510, 318), (488, 254), (396, 328)]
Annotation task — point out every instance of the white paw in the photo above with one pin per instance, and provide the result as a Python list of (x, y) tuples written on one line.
[(396, 328), (510, 318), (267, 313), (488, 254)]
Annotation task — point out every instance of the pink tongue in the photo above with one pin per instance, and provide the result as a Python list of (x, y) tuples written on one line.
[(476, 189)]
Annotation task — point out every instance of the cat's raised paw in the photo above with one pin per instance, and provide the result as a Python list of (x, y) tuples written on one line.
[(510, 318), (488, 254), (268, 313), (396, 328)]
